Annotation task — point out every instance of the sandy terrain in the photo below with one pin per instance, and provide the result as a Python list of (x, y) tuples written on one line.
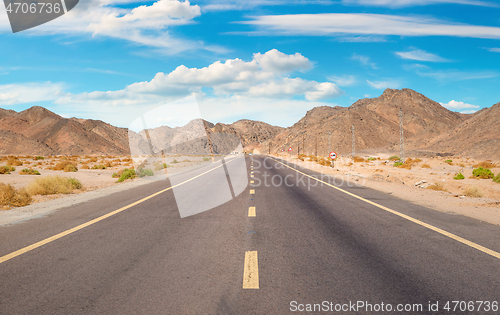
[(383, 176)]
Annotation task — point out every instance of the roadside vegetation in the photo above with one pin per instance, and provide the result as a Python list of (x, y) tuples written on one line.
[(29, 171), (483, 173), (11, 197)]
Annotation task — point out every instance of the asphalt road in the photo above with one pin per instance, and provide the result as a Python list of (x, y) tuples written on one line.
[(307, 244)]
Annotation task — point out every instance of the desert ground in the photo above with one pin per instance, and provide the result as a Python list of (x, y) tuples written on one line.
[(93, 172), (427, 181)]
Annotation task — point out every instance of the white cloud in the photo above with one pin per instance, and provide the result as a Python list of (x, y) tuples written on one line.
[(342, 24), (225, 5), (345, 80), (364, 60), (146, 25), (455, 75), (497, 50), (461, 107), (407, 3), (382, 85), (266, 75), (11, 94), (420, 55)]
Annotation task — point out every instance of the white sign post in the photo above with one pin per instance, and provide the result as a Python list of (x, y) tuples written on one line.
[(333, 156)]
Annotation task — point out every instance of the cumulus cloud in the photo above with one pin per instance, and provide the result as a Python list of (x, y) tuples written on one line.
[(345, 24), (381, 85), (461, 107), (11, 94), (420, 55)]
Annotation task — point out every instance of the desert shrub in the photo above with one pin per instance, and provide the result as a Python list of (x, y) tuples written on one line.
[(473, 191), (358, 159), (115, 175), (29, 171), (75, 183), (323, 161), (417, 160), (9, 196), (160, 166), (436, 186), (482, 173), (397, 164), (38, 158), (484, 164), (206, 159), (50, 185), (14, 162), (127, 160), (370, 159), (313, 158), (141, 172), (394, 158), (6, 169), (459, 176), (175, 161), (61, 166), (126, 174), (99, 167), (425, 166), (496, 179), (448, 161), (70, 168), (92, 159), (85, 167)]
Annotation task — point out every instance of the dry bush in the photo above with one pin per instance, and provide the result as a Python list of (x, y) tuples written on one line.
[(474, 192), (313, 158), (324, 162), (14, 162), (437, 186), (127, 160), (358, 159), (7, 169), (66, 166), (85, 167), (108, 164), (99, 167), (417, 160), (9, 196), (425, 166), (50, 185), (93, 159), (484, 164)]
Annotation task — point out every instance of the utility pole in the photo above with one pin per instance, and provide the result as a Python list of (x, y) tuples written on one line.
[(353, 143), (329, 141), (401, 137)]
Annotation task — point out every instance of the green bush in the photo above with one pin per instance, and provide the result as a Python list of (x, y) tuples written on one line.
[(29, 171), (394, 158), (459, 176), (70, 168), (484, 173), (141, 172), (159, 167), (448, 161), (496, 179), (115, 175), (38, 158), (99, 167), (396, 164), (6, 169), (126, 174), (75, 183), (370, 159), (206, 159), (175, 161)]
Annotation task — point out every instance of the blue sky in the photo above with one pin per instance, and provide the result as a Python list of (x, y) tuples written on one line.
[(268, 60)]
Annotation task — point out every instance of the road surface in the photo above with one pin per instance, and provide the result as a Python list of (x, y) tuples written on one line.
[(275, 248)]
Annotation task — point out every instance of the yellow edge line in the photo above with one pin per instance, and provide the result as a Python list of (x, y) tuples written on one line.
[(251, 271), (251, 212), (431, 227), (81, 226)]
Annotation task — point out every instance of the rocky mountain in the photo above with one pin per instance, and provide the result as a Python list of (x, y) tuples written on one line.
[(375, 121)]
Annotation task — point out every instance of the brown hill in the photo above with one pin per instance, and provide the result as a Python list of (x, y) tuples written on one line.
[(475, 137), (40, 131), (376, 124)]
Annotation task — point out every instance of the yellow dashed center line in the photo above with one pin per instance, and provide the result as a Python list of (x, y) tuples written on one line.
[(252, 191), (251, 182), (431, 227), (251, 212), (251, 271)]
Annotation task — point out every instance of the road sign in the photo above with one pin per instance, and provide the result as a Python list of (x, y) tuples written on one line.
[(282, 150), (333, 155), (290, 149)]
